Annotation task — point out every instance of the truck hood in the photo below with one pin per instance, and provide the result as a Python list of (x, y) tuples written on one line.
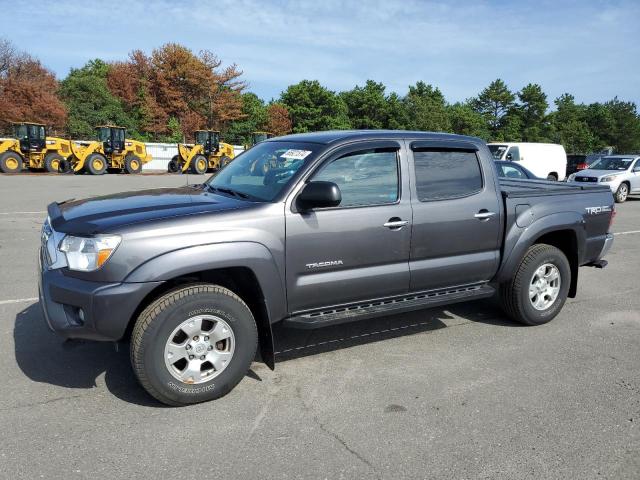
[(108, 213)]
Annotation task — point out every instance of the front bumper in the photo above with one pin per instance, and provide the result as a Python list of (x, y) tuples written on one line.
[(76, 308)]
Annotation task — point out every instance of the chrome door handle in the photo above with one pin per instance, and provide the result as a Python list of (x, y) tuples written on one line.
[(396, 223), (484, 215)]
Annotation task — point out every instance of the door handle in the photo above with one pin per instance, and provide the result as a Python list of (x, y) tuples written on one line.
[(395, 223), (484, 215)]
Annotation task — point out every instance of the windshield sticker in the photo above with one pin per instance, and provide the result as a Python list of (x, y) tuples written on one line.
[(296, 154)]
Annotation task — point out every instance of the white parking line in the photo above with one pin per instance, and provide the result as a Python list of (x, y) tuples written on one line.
[(627, 233), (23, 213), (18, 300)]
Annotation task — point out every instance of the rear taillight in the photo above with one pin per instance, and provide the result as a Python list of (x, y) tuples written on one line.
[(613, 215), (582, 166)]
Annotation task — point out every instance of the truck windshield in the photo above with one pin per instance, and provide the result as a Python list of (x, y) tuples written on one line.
[(612, 163), (263, 171), (497, 151)]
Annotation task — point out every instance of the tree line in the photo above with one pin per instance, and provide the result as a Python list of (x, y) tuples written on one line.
[(166, 95)]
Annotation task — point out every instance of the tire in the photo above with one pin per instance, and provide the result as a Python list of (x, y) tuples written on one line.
[(11, 162), (515, 295), (224, 161), (96, 164), (552, 177), (65, 166), (622, 193), (132, 164), (160, 321), (199, 165), (52, 162), (174, 165)]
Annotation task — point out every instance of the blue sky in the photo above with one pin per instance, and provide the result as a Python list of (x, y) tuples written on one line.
[(588, 48)]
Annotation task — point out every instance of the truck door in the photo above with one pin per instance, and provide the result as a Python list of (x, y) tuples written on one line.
[(360, 249), (456, 216)]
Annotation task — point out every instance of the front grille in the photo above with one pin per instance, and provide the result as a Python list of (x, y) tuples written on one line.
[(586, 179)]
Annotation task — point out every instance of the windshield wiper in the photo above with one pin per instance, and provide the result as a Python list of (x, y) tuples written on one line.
[(229, 191)]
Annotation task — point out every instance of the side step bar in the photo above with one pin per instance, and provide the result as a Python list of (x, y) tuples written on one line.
[(388, 306)]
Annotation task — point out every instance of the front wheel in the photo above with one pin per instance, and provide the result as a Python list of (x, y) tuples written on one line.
[(539, 288), (96, 164), (193, 344), (132, 164), (199, 165), (622, 193), (53, 162)]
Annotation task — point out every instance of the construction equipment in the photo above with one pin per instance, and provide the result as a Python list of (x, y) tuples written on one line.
[(112, 151), (207, 153), (257, 137), (32, 148)]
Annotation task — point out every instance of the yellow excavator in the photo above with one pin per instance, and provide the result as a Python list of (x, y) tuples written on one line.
[(206, 153), (111, 151), (33, 149)]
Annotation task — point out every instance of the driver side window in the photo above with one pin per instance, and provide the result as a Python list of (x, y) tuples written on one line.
[(368, 177)]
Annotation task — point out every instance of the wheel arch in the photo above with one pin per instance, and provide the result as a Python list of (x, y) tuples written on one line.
[(255, 279), (564, 230)]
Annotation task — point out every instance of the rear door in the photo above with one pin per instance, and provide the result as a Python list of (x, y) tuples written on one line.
[(360, 249), (456, 216)]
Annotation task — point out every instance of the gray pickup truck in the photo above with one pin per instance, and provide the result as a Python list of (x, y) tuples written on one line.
[(311, 230)]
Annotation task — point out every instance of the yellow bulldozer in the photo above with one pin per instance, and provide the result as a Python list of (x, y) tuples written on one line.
[(33, 149), (112, 151), (207, 153)]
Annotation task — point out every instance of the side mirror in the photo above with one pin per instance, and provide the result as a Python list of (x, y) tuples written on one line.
[(509, 157), (319, 195)]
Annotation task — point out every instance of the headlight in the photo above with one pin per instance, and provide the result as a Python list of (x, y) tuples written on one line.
[(609, 178), (88, 253)]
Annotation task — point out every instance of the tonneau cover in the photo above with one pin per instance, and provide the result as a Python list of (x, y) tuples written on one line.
[(533, 188)]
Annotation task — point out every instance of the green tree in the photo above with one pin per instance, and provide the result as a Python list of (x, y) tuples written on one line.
[(622, 130), (90, 103), (367, 106), (426, 108), (254, 118), (397, 117), (569, 127), (494, 103), (532, 113), (466, 121), (312, 107)]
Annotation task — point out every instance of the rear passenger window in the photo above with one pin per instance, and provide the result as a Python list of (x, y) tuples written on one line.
[(365, 178), (442, 174)]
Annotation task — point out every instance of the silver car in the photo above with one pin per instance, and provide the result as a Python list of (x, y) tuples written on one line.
[(620, 172)]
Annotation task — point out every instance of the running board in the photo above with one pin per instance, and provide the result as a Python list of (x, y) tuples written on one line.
[(388, 306)]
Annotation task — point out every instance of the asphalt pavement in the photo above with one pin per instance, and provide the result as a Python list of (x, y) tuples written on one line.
[(455, 392)]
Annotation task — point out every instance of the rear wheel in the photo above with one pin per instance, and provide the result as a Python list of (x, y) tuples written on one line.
[(193, 344), (552, 177), (96, 164), (622, 193), (539, 288), (174, 165), (53, 162), (11, 162), (199, 164), (132, 164)]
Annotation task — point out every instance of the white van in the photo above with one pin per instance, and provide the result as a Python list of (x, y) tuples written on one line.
[(545, 160)]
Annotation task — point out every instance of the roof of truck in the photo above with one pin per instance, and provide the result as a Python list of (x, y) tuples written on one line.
[(335, 136)]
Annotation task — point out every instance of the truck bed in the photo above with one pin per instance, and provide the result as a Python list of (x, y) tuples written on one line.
[(533, 188)]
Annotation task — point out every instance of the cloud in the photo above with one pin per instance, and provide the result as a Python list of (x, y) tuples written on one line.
[(588, 48)]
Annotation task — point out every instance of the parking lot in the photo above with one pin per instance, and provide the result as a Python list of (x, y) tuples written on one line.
[(454, 392)]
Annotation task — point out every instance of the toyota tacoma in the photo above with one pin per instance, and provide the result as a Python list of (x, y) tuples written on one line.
[(310, 230)]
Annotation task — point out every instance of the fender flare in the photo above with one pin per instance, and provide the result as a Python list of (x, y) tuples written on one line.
[(518, 240), (251, 255)]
